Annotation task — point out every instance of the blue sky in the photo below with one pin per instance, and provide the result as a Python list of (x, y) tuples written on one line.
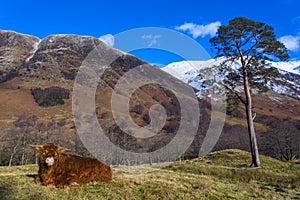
[(196, 19)]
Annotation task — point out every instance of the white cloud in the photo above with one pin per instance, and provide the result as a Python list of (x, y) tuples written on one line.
[(292, 43), (108, 39), (151, 40), (200, 30)]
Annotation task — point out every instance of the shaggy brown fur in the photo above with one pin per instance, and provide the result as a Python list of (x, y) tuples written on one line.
[(59, 169)]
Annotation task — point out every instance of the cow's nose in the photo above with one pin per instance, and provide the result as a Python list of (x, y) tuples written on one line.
[(50, 161)]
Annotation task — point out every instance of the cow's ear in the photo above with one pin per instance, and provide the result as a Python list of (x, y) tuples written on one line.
[(61, 149), (37, 147)]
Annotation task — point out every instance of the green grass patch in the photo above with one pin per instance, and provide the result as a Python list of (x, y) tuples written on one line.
[(233, 166), (238, 121), (221, 175)]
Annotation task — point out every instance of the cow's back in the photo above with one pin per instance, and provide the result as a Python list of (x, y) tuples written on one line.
[(83, 169)]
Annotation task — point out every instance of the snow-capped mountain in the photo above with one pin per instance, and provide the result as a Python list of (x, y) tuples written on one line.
[(288, 82)]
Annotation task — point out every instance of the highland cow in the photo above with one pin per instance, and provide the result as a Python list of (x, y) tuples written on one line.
[(60, 169)]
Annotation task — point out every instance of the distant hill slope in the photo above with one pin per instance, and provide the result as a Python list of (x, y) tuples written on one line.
[(288, 82), (28, 63), (275, 109)]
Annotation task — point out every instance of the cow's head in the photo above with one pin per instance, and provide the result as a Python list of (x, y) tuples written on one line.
[(49, 153)]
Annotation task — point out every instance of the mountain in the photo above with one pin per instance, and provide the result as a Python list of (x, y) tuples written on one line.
[(37, 85), (287, 83), (37, 79)]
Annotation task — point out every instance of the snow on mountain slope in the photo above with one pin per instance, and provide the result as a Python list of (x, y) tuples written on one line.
[(186, 70), (288, 83), (35, 48), (292, 66)]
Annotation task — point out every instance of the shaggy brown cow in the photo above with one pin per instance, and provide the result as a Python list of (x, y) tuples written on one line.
[(59, 169)]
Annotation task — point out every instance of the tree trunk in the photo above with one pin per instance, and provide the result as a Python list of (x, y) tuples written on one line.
[(252, 137), (251, 130), (12, 154)]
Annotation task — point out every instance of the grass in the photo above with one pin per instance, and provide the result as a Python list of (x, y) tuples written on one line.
[(238, 121), (220, 175)]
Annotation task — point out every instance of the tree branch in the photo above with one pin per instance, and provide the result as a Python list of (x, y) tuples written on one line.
[(254, 117), (251, 49), (241, 54), (236, 93)]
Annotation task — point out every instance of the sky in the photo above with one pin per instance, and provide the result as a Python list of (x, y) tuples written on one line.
[(198, 20)]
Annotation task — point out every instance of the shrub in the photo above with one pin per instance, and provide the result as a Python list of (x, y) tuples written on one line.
[(50, 96)]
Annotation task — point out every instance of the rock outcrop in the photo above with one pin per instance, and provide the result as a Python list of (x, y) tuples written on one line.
[(15, 48), (60, 56)]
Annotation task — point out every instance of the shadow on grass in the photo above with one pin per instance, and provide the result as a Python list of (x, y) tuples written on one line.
[(32, 176)]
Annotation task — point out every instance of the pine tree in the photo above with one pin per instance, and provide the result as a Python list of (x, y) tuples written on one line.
[(247, 46)]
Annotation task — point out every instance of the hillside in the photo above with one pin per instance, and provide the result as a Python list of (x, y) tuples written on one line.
[(277, 113), (36, 87), (221, 175), (30, 117)]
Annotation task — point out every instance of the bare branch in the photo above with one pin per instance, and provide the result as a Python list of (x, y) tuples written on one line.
[(254, 117)]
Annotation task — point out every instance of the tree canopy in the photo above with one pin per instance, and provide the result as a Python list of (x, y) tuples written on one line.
[(249, 44)]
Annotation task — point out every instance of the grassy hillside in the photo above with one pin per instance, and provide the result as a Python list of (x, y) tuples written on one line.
[(221, 175)]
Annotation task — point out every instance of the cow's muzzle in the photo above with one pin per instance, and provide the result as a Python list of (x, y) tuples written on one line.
[(49, 161)]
